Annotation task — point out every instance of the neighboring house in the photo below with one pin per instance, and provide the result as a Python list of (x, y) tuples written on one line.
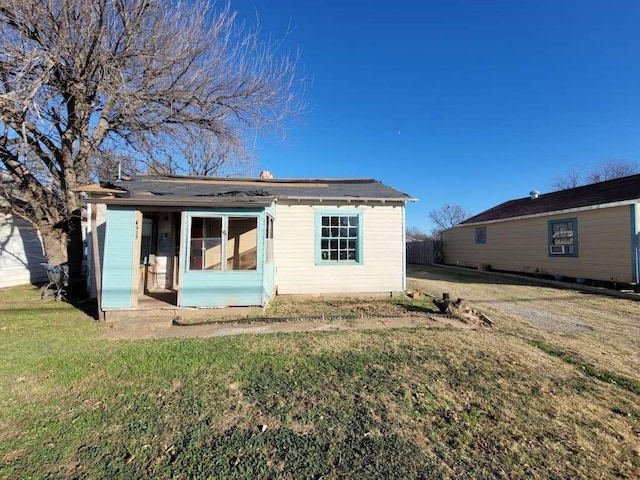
[(588, 232), (21, 252), (238, 241)]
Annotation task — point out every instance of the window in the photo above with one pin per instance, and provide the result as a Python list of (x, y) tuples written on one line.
[(339, 237), (481, 235), (234, 239), (269, 239), (206, 243), (242, 243), (563, 237)]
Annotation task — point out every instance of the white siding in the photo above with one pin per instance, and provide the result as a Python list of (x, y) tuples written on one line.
[(382, 269), (21, 252)]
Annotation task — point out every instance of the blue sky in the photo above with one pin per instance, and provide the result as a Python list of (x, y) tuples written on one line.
[(457, 102)]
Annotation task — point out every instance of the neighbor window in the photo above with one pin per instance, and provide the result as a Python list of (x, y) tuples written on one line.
[(481, 235), (563, 237), (234, 239), (339, 238)]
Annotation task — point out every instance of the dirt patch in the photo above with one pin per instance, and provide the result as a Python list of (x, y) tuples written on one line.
[(168, 330), (542, 318)]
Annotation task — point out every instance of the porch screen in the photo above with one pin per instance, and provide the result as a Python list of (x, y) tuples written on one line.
[(224, 243), (242, 242), (206, 243)]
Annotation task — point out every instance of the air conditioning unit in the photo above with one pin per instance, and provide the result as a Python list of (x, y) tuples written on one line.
[(560, 249)]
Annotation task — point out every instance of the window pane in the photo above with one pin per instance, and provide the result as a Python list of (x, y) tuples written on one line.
[(205, 243), (242, 243), (205, 254), (562, 233), (335, 221)]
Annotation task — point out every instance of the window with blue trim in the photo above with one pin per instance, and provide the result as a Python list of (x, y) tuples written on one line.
[(563, 237), (340, 238)]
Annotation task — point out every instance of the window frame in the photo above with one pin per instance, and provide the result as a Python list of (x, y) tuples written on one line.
[(481, 235), (574, 243), (224, 217), (269, 238), (339, 212)]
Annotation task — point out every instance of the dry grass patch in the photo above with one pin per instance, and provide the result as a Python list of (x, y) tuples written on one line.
[(604, 331)]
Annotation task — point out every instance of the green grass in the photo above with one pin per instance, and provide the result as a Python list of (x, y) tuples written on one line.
[(412, 403), (589, 369)]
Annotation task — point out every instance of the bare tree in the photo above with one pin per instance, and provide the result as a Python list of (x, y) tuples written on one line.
[(605, 170), (87, 82), (571, 179), (416, 233), (610, 169), (446, 217)]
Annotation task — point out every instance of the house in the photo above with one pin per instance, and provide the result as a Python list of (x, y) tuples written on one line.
[(216, 242), (21, 252), (588, 232)]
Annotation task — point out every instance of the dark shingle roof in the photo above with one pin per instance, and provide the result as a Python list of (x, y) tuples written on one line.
[(185, 189), (610, 191)]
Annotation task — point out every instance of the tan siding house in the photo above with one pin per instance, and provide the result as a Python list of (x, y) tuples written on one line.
[(586, 233)]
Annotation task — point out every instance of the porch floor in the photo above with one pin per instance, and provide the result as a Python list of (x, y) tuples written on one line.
[(160, 299)]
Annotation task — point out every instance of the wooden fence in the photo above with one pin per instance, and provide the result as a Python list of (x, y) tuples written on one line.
[(424, 252)]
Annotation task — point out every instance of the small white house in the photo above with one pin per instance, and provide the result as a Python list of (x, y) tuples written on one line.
[(214, 242), (21, 252)]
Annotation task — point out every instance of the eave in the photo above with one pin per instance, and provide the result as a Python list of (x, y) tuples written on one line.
[(553, 212)]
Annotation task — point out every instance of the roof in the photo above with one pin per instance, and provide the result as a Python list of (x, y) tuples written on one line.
[(625, 189), (177, 190)]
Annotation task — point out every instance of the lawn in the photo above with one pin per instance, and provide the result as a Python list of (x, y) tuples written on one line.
[(505, 402)]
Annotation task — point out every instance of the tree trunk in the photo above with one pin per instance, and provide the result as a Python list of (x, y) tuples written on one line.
[(55, 244), (75, 246)]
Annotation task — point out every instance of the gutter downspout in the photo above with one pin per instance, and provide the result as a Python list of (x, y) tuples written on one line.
[(635, 244)]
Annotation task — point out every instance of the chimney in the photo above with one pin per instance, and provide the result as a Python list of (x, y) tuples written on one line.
[(266, 174)]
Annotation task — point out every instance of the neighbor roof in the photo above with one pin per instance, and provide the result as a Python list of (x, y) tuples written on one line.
[(192, 190), (597, 194)]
